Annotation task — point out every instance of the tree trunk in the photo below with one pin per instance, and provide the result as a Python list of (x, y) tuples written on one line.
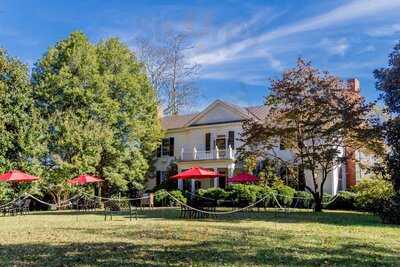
[(301, 179), (317, 203)]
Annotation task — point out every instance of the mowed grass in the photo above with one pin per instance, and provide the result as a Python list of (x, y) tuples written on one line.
[(160, 238)]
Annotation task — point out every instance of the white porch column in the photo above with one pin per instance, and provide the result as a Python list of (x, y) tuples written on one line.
[(180, 184), (231, 169), (194, 153), (193, 186), (216, 180), (180, 181), (230, 151), (216, 152)]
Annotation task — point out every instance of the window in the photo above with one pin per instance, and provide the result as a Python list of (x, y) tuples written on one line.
[(220, 142), (231, 139), (208, 141), (166, 148)]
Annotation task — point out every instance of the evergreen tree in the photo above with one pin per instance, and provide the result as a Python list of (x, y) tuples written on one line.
[(20, 134), (100, 111)]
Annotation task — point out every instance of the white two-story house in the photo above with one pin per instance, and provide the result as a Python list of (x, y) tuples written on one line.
[(210, 139)]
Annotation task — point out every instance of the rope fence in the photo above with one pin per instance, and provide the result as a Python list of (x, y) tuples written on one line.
[(116, 199), (274, 197), (67, 202)]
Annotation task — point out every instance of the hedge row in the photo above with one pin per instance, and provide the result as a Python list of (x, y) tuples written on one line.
[(371, 195)]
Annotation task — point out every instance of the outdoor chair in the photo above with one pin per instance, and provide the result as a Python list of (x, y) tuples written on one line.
[(149, 202), (186, 213), (18, 207), (206, 206), (112, 207), (11, 210), (85, 204), (24, 209)]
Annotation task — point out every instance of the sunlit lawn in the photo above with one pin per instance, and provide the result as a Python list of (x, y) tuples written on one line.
[(159, 237)]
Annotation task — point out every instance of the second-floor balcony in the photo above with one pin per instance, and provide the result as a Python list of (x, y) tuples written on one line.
[(212, 154)]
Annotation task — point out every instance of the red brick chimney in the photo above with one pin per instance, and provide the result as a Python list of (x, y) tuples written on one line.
[(353, 85), (350, 167)]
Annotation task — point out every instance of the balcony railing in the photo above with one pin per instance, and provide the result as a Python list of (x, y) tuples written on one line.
[(214, 154)]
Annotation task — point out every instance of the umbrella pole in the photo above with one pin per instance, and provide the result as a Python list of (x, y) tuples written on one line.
[(99, 194)]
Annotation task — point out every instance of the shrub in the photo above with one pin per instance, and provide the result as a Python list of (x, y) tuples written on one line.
[(214, 193), (344, 201), (303, 199), (372, 194), (162, 198), (244, 194), (285, 194), (268, 194), (390, 212), (6, 193)]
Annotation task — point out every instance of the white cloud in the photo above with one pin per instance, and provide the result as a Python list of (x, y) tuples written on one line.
[(347, 12), (335, 47), (368, 48), (387, 30)]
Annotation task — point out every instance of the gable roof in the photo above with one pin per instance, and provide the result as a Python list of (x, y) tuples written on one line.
[(181, 121), (176, 121)]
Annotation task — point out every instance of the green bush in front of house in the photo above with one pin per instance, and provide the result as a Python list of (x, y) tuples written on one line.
[(344, 200), (285, 193), (7, 194), (390, 212), (162, 198), (214, 193), (373, 194), (302, 200), (244, 194)]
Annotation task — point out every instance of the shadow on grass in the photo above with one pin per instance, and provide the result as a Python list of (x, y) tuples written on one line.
[(339, 218), (213, 252)]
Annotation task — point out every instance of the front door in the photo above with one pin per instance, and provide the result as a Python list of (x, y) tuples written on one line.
[(223, 177)]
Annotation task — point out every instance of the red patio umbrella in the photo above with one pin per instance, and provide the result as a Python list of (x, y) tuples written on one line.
[(17, 176), (243, 178), (84, 179), (196, 173)]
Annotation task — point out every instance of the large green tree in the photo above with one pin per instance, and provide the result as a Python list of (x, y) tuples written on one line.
[(20, 129), (100, 110), (388, 82)]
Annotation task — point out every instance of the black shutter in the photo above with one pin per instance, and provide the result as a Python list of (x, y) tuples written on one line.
[(165, 147), (171, 146), (159, 152), (231, 139), (208, 141), (158, 177)]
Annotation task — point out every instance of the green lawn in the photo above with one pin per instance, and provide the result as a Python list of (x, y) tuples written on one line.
[(158, 237)]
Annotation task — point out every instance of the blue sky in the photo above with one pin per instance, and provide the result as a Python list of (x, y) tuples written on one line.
[(239, 44)]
